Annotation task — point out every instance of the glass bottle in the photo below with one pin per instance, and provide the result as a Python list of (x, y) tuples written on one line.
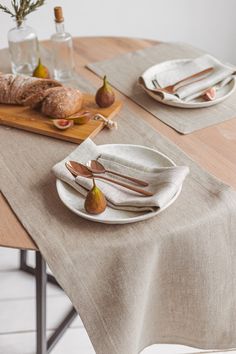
[(23, 49), (62, 46)]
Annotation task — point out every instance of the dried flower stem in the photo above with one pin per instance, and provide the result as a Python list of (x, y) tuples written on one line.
[(21, 8)]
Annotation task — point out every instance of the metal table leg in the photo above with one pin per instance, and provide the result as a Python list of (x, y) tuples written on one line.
[(41, 276), (28, 269), (41, 285)]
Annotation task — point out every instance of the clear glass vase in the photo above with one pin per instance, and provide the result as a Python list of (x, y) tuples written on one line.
[(62, 53), (23, 48)]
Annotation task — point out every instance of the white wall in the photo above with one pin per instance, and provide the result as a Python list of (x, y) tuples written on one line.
[(209, 24)]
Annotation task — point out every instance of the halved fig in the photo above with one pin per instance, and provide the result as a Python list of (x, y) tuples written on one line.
[(81, 117), (209, 94), (62, 124)]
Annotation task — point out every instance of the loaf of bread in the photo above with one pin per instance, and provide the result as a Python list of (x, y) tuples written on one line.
[(50, 96), (61, 102), (15, 89)]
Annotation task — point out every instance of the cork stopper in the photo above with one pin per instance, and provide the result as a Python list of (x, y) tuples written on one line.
[(58, 14)]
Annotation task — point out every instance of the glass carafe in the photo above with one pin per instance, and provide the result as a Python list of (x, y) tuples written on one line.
[(23, 48), (62, 46)]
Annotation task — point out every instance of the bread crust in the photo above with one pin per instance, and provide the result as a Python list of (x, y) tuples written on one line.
[(34, 86), (17, 84), (50, 96), (6, 82), (16, 89), (35, 101), (61, 102)]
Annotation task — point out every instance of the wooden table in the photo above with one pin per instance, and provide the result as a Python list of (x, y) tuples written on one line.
[(214, 148)]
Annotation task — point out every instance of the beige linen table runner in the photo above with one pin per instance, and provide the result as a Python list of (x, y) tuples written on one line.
[(171, 279), (123, 72)]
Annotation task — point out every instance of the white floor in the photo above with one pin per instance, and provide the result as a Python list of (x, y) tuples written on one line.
[(17, 315)]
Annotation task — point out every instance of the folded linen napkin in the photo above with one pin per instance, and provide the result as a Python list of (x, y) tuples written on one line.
[(171, 74), (163, 182)]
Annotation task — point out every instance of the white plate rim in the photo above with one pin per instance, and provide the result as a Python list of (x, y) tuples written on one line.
[(185, 104), (147, 215)]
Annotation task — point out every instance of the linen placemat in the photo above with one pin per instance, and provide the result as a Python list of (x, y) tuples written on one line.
[(123, 72), (171, 279)]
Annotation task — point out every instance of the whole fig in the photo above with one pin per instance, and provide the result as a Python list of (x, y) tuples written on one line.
[(95, 202), (105, 96), (41, 71)]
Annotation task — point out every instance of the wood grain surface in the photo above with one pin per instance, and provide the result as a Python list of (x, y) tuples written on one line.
[(36, 122), (214, 148), (12, 233)]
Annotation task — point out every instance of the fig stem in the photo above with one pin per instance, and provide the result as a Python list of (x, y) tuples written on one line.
[(105, 81), (94, 184)]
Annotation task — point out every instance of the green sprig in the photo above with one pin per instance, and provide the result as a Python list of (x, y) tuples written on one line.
[(21, 8)]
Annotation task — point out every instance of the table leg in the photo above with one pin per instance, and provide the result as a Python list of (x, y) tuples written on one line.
[(41, 284), (39, 271), (23, 259), (31, 270)]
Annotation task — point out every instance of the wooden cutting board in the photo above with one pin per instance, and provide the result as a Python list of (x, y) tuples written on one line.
[(33, 121)]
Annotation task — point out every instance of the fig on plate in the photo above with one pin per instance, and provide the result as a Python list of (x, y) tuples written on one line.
[(105, 96), (41, 71), (209, 94), (95, 202), (62, 124), (81, 117)]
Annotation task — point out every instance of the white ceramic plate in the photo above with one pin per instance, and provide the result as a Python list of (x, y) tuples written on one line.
[(221, 93), (75, 201)]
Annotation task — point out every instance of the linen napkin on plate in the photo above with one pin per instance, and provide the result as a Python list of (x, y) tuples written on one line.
[(171, 74), (164, 182)]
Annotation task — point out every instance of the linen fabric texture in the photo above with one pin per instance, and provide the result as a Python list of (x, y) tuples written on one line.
[(132, 65), (163, 182), (171, 279), (171, 73)]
